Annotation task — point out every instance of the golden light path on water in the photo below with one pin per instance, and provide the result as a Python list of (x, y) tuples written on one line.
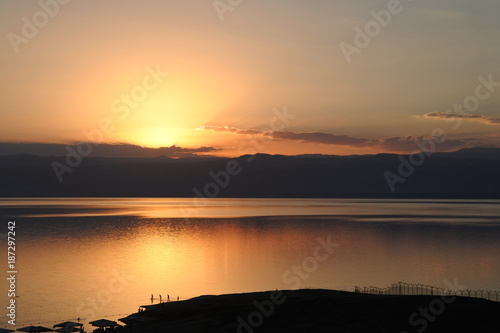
[(74, 262)]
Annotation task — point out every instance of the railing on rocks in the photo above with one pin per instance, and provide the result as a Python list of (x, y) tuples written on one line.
[(403, 288)]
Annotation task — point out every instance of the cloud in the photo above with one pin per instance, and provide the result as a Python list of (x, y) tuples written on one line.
[(394, 144), (230, 130), (324, 138), (415, 143), (471, 117), (306, 137)]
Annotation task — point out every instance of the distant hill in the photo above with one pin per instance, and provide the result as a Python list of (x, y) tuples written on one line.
[(479, 153), (101, 150), (467, 173)]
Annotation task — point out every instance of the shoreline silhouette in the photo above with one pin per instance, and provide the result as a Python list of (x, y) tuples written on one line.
[(318, 310)]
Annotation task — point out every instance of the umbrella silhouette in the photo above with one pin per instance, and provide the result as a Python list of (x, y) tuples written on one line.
[(37, 329), (68, 329), (134, 319), (6, 330), (104, 323), (69, 326)]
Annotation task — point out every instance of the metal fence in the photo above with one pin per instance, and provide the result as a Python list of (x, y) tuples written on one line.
[(403, 288)]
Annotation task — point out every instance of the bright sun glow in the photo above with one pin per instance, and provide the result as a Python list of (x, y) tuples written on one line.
[(155, 137), (167, 117)]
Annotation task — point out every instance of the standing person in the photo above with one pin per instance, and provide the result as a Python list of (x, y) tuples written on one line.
[(177, 297), (152, 298), (160, 298), (168, 298)]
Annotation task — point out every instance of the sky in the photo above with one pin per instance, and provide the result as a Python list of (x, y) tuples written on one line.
[(230, 77)]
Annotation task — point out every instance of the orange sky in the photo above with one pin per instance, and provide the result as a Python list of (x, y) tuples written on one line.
[(91, 61)]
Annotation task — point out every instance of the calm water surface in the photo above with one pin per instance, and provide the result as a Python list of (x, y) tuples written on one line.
[(96, 258)]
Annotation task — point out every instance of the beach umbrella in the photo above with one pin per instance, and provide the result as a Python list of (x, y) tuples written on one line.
[(68, 329), (136, 319), (36, 329), (104, 323), (68, 324), (6, 330)]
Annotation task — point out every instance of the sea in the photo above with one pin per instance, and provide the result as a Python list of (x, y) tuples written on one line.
[(91, 258)]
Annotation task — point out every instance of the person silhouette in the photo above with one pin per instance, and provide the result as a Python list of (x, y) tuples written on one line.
[(168, 298), (177, 297), (152, 298), (160, 298)]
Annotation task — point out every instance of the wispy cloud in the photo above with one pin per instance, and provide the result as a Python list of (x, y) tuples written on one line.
[(471, 117), (310, 137), (394, 144), (230, 130), (324, 138), (408, 143)]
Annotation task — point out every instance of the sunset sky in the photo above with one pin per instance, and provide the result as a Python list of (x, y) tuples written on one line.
[(203, 73)]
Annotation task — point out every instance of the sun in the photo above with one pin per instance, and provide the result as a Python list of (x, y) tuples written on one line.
[(155, 137), (169, 116)]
